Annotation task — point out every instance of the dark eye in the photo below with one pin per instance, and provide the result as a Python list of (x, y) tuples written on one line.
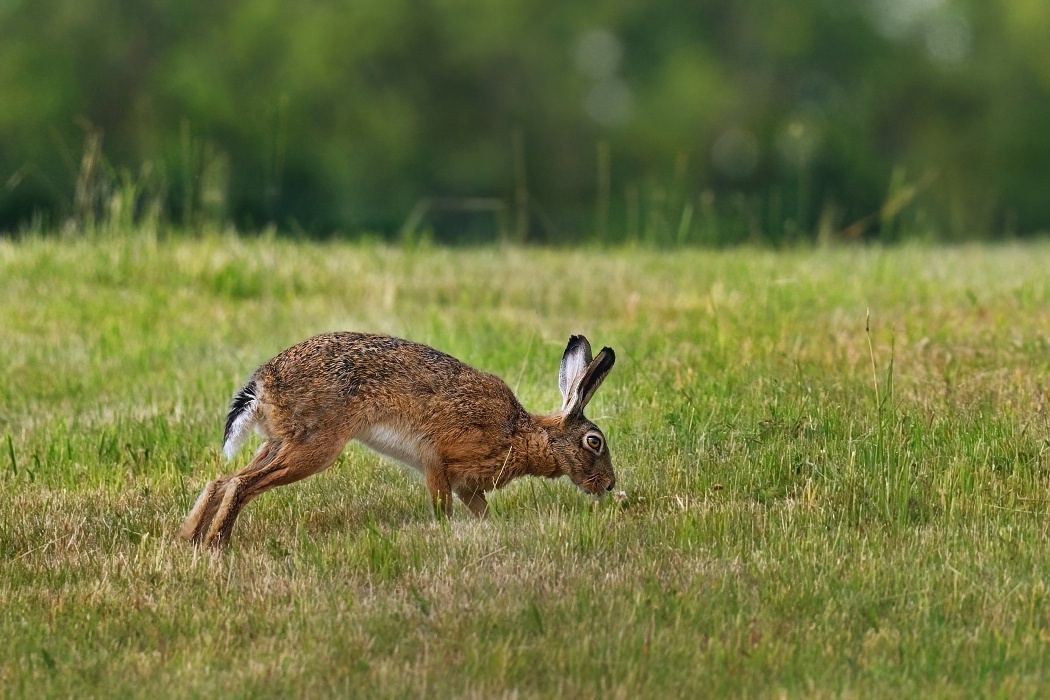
[(594, 442)]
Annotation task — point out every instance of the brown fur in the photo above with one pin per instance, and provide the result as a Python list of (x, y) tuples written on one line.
[(463, 428)]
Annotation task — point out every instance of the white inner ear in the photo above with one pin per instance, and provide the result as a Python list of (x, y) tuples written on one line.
[(573, 366)]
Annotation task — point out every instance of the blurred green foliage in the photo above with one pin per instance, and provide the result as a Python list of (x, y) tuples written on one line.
[(710, 122)]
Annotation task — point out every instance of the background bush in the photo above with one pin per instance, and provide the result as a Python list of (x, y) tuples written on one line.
[(711, 121)]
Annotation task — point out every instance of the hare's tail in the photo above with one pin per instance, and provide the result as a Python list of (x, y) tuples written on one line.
[(240, 420)]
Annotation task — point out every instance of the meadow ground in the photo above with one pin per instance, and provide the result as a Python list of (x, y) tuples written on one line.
[(836, 461)]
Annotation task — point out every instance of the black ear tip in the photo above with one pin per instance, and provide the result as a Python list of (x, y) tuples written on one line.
[(578, 343), (610, 354)]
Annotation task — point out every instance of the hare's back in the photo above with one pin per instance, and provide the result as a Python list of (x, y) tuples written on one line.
[(383, 376)]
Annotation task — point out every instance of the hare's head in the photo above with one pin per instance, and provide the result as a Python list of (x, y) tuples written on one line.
[(579, 445)]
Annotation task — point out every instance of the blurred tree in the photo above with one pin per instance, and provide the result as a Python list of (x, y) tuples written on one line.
[(712, 121)]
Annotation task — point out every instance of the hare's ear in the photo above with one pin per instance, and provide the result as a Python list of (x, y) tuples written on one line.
[(581, 392), (573, 364)]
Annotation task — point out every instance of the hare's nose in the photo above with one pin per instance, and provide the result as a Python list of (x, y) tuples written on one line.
[(612, 482)]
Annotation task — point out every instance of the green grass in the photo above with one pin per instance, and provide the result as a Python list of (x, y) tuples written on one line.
[(813, 509)]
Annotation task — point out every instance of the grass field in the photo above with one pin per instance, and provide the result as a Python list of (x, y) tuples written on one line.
[(837, 468)]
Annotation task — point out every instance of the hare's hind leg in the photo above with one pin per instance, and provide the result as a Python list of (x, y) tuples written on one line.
[(291, 461), (213, 496), (201, 514), (276, 464)]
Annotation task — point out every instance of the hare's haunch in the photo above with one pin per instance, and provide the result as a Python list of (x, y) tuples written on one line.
[(461, 427)]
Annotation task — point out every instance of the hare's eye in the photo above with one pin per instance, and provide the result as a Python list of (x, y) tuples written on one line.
[(594, 442)]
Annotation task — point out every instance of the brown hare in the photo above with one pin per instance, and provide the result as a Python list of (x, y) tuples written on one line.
[(462, 428)]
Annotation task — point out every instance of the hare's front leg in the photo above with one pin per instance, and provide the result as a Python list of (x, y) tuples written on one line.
[(440, 490), (473, 497)]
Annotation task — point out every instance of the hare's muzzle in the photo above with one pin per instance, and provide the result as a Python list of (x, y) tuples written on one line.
[(598, 485)]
